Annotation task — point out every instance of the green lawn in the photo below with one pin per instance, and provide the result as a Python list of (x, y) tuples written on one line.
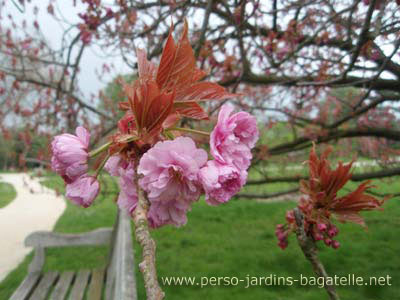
[(236, 240), (7, 194)]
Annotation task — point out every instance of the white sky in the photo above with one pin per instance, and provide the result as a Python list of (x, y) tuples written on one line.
[(87, 79)]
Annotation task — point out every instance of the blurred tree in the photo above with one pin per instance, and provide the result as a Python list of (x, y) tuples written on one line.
[(22, 148), (286, 56), (113, 94)]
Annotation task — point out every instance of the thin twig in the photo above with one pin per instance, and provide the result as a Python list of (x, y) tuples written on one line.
[(203, 28), (268, 196), (18, 7)]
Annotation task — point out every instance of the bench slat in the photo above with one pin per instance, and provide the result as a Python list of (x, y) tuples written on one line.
[(62, 286), (80, 283), (26, 287), (43, 288), (96, 285), (110, 280)]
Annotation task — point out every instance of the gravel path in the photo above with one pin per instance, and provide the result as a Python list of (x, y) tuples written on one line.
[(35, 208)]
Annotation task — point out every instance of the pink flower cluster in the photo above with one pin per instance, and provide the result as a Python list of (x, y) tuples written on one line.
[(233, 137), (69, 160), (173, 173), (170, 177), (117, 166), (231, 142), (221, 181)]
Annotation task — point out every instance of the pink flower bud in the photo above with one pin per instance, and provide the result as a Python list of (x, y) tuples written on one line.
[(333, 231), (281, 235), (318, 237), (283, 244), (290, 216), (83, 190), (327, 241), (109, 12), (335, 244), (70, 154), (374, 55), (321, 227)]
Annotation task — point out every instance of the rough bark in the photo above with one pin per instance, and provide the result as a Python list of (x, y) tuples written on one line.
[(310, 251), (148, 264)]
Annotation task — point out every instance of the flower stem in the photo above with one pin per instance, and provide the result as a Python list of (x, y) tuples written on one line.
[(101, 165), (168, 135), (188, 130), (99, 150)]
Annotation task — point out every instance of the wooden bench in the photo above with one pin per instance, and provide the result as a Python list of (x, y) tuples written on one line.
[(116, 282)]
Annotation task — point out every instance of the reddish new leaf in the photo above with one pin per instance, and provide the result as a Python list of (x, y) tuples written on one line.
[(191, 110), (159, 99), (178, 71), (146, 69), (159, 110), (145, 93), (320, 202), (203, 91), (177, 65), (347, 208), (322, 189)]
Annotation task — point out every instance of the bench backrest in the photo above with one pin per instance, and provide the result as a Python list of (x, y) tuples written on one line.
[(120, 280)]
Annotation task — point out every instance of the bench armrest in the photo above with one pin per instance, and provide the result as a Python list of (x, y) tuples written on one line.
[(121, 283), (125, 283)]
